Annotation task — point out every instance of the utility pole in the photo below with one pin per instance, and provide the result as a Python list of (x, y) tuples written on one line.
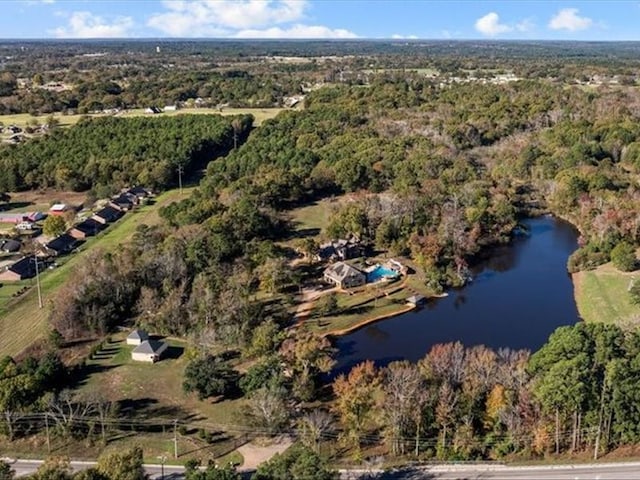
[(46, 423), (35, 257), (162, 459), (180, 172), (175, 439)]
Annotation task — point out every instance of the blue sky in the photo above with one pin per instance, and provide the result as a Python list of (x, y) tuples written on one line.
[(471, 19)]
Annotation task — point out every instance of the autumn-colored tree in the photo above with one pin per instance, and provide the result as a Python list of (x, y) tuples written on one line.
[(356, 397)]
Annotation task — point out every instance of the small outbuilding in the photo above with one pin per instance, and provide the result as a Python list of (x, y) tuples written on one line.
[(58, 209), (137, 336), (416, 300), (149, 351), (7, 245)]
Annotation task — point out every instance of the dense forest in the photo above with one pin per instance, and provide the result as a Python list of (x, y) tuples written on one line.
[(110, 153), (433, 171)]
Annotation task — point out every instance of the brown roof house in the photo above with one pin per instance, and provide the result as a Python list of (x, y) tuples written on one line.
[(344, 275), (108, 214), (85, 229)]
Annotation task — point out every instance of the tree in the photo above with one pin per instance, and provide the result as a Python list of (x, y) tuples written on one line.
[(327, 305), (307, 355), (209, 376), (313, 426), (623, 257), (53, 468), (212, 472), (6, 473), (125, 465), (297, 463), (54, 226), (634, 293), (356, 396), (267, 408)]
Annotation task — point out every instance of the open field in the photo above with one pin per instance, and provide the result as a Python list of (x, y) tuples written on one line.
[(22, 322), (314, 217), (22, 119), (602, 295)]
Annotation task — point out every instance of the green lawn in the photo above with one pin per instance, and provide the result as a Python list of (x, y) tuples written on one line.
[(22, 322), (602, 295), (21, 119), (314, 216)]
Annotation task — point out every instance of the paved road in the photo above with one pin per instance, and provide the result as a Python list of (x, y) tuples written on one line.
[(603, 471), (611, 471)]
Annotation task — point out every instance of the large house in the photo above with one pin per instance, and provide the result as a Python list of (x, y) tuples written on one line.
[(149, 351), (344, 275), (340, 249)]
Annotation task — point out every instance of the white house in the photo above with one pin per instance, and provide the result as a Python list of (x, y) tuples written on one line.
[(149, 351), (136, 337)]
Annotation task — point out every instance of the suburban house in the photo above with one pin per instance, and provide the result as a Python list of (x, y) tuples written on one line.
[(137, 336), (24, 268), (58, 209), (149, 351), (340, 249), (139, 192), (85, 229), (8, 245), (344, 275), (416, 300), (107, 215), (170, 108), (62, 244), (125, 201), (152, 110)]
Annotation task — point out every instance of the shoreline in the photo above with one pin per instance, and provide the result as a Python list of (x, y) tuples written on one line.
[(344, 331)]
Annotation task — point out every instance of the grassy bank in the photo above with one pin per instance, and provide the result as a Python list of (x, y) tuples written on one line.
[(22, 322), (602, 295)]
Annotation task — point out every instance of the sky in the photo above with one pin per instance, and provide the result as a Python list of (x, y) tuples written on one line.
[(336, 19)]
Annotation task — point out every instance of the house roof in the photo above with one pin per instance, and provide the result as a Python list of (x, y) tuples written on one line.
[(64, 243), (340, 271), (138, 190), (9, 245), (89, 226), (108, 213), (149, 347), (138, 334), (58, 207), (26, 267), (124, 199)]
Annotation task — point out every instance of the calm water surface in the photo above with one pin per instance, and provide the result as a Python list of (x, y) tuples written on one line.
[(520, 295)]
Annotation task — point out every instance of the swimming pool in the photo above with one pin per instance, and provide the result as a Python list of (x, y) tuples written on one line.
[(380, 272)]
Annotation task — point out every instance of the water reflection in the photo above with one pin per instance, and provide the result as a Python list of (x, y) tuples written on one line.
[(518, 297)]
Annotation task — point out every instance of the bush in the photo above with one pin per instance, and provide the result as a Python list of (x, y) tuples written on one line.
[(623, 257)]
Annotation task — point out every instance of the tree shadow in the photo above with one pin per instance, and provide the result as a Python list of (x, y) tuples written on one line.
[(12, 205), (81, 376)]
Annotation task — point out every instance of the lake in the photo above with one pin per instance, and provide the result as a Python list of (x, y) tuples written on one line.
[(518, 296)]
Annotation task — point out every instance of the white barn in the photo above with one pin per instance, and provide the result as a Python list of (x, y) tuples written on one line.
[(137, 336), (149, 351)]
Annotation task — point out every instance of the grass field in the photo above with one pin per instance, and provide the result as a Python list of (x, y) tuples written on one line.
[(22, 322), (260, 114), (602, 295)]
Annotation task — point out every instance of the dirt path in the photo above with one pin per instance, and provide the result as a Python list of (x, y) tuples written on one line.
[(254, 454), (308, 298)]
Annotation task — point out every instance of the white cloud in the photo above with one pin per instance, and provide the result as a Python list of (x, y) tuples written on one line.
[(490, 25), (224, 17), (568, 19), (525, 25), (88, 25), (296, 31), (397, 36)]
